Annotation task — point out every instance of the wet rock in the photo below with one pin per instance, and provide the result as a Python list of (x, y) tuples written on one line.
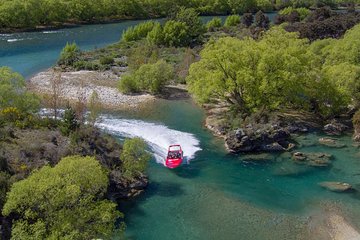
[(263, 157), (330, 142), (312, 159), (337, 186), (335, 128), (261, 140), (273, 147)]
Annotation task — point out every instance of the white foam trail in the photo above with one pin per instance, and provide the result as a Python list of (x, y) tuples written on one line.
[(49, 32), (159, 137), (15, 40)]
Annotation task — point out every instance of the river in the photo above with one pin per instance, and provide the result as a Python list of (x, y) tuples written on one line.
[(216, 195)]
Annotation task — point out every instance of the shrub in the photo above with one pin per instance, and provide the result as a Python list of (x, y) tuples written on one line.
[(106, 60), (134, 157), (303, 12), (261, 20), (232, 21), (69, 54), (13, 93), (63, 202), (148, 78), (156, 35), (138, 32), (176, 34), (214, 23), (70, 122), (247, 19)]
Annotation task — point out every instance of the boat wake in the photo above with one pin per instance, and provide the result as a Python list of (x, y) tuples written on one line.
[(158, 137)]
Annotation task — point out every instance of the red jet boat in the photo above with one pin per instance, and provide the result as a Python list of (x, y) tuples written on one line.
[(175, 156)]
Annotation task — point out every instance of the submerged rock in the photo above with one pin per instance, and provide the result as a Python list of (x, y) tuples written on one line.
[(337, 186), (330, 142), (263, 157), (312, 159)]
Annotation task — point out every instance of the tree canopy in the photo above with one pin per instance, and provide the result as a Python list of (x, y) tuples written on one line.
[(276, 71), (63, 202), (13, 92)]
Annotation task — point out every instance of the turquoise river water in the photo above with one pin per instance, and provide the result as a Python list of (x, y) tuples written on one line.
[(216, 195)]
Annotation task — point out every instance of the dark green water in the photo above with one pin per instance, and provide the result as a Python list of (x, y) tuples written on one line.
[(217, 195)]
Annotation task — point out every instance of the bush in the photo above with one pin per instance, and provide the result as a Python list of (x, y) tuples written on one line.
[(13, 93), (64, 202), (148, 78), (156, 35), (106, 60), (138, 32), (70, 122), (69, 54), (134, 157), (261, 20), (247, 19), (214, 23), (86, 65), (176, 34), (232, 21), (303, 12)]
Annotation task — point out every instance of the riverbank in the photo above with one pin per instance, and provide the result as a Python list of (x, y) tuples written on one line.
[(76, 85)]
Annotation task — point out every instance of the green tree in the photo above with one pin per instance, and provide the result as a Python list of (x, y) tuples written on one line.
[(214, 23), (342, 63), (13, 92), (70, 122), (276, 71), (134, 157), (63, 202), (195, 27), (156, 35), (148, 78), (176, 34), (232, 21), (138, 32), (94, 108), (69, 55)]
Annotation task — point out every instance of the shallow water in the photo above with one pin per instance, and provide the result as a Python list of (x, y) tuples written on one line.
[(220, 196)]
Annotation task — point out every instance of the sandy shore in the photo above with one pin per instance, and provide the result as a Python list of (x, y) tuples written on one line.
[(332, 226), (81, 84)]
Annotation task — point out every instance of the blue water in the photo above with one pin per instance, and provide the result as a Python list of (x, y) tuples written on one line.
[(218, 195), (31, 52)]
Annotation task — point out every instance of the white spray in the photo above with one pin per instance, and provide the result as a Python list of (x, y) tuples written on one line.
[(159, 137)]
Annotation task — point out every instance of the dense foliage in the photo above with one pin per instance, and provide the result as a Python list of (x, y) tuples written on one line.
[(183, 29), (232, 21), (148, 78), (322, 23), (69, 54), (13, 93), (134, 156), (32, 13), (64, 202), (277, 71)]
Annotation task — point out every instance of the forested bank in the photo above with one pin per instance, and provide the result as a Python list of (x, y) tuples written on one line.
[(47, 163), (21, 14)]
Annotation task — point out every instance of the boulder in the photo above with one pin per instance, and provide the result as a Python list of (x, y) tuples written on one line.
[(335, 128), (337, 186), (260, 140), (330, 142)]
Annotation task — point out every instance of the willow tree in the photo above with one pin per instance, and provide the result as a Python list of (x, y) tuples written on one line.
[(276, 71), (64, 202)]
